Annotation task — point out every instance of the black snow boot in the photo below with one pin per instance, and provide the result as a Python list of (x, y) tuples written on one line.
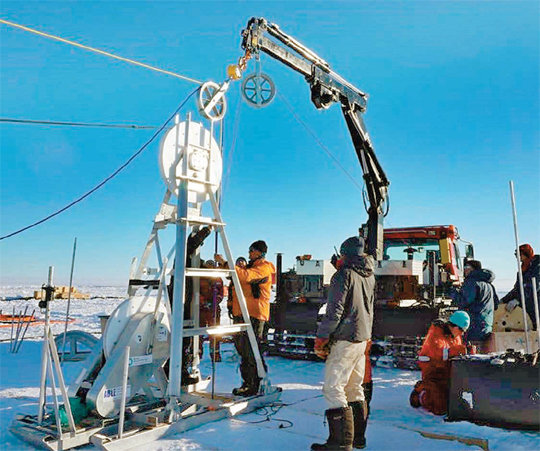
[(414, 398), (340, 425), (360, 414), (240, 391), (248, 388)]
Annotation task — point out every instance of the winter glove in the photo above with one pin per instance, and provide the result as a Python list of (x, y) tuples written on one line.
[(512, 305), (321, 348)]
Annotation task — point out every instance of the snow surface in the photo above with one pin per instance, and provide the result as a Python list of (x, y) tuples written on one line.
[(393, 424)]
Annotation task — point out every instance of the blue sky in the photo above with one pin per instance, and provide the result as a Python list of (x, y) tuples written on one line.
[(453, 114)]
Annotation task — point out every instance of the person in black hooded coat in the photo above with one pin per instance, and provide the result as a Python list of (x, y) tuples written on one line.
[(342, 339)]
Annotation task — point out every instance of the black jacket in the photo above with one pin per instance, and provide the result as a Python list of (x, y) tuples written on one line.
[(478, 298), (349, 311), (532, 271)]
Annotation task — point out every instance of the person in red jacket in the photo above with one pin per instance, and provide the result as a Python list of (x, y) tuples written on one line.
[(256, 284), (211, 295), (443, 341)]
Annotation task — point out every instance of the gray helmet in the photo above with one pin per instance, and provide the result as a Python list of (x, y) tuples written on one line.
[(352, 246)]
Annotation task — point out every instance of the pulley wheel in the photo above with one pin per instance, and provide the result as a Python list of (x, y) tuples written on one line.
[(212, 102), (258, 90)]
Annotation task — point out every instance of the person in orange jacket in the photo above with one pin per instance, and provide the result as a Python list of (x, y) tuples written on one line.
[(443, 341), (232, 298), (256, 284)]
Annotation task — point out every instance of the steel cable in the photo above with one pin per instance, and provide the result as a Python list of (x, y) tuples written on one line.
[(318, 141), (74, 124), (101, 52), (236, 123), (99, 185)]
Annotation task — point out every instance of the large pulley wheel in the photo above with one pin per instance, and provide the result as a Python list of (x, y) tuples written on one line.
[(212, 102), (258, 90), (78, 345)]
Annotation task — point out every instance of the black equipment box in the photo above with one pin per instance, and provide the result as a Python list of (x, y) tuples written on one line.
[(403, 321), (502, 391), (295, 317)]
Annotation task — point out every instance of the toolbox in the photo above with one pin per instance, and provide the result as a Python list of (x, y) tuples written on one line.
[(498, 390)]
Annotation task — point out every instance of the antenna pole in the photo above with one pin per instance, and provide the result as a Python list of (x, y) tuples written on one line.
[(69, 299), (44, 303), (520, 274)]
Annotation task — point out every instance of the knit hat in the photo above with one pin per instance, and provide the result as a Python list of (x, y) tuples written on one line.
[(474, 264), (526, 250), (460, 319), (260, 246), (352, 246)]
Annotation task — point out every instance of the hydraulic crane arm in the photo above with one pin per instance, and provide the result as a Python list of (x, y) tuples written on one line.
[(327, 87)]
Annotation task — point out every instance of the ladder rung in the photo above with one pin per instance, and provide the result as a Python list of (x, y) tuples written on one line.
[(215, 330), (202, 220), (194, 180), (143, 282), (218, 272)]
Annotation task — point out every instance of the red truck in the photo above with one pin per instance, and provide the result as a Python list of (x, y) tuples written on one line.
[(418, 267)]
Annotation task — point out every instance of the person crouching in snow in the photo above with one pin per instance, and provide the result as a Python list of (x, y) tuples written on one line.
[(342, 338), (443, 341)]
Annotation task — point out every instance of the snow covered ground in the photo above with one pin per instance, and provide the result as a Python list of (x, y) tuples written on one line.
[(292, 425)]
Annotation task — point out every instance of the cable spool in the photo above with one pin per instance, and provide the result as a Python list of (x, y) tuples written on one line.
[(121, 316), (204, 159)]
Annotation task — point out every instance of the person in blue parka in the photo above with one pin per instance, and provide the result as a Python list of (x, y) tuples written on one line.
[(479, 299)]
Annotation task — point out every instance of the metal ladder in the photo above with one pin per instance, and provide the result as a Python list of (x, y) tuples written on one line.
[(186, 215), (181, 272)]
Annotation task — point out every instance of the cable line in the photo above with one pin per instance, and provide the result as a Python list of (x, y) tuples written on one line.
[(75, 124), (226, 175), (99, 185), (319, 142), (101, 52)]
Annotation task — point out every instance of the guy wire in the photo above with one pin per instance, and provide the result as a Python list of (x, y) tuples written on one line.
[(74, 124), (232, 147), (318, 141), (99, 185), (101, 52)]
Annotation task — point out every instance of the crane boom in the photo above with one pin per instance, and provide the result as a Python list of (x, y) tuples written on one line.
[(327, 87)]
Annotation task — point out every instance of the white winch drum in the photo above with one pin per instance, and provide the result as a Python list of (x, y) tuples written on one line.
[(122, 314), (204, 159)]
